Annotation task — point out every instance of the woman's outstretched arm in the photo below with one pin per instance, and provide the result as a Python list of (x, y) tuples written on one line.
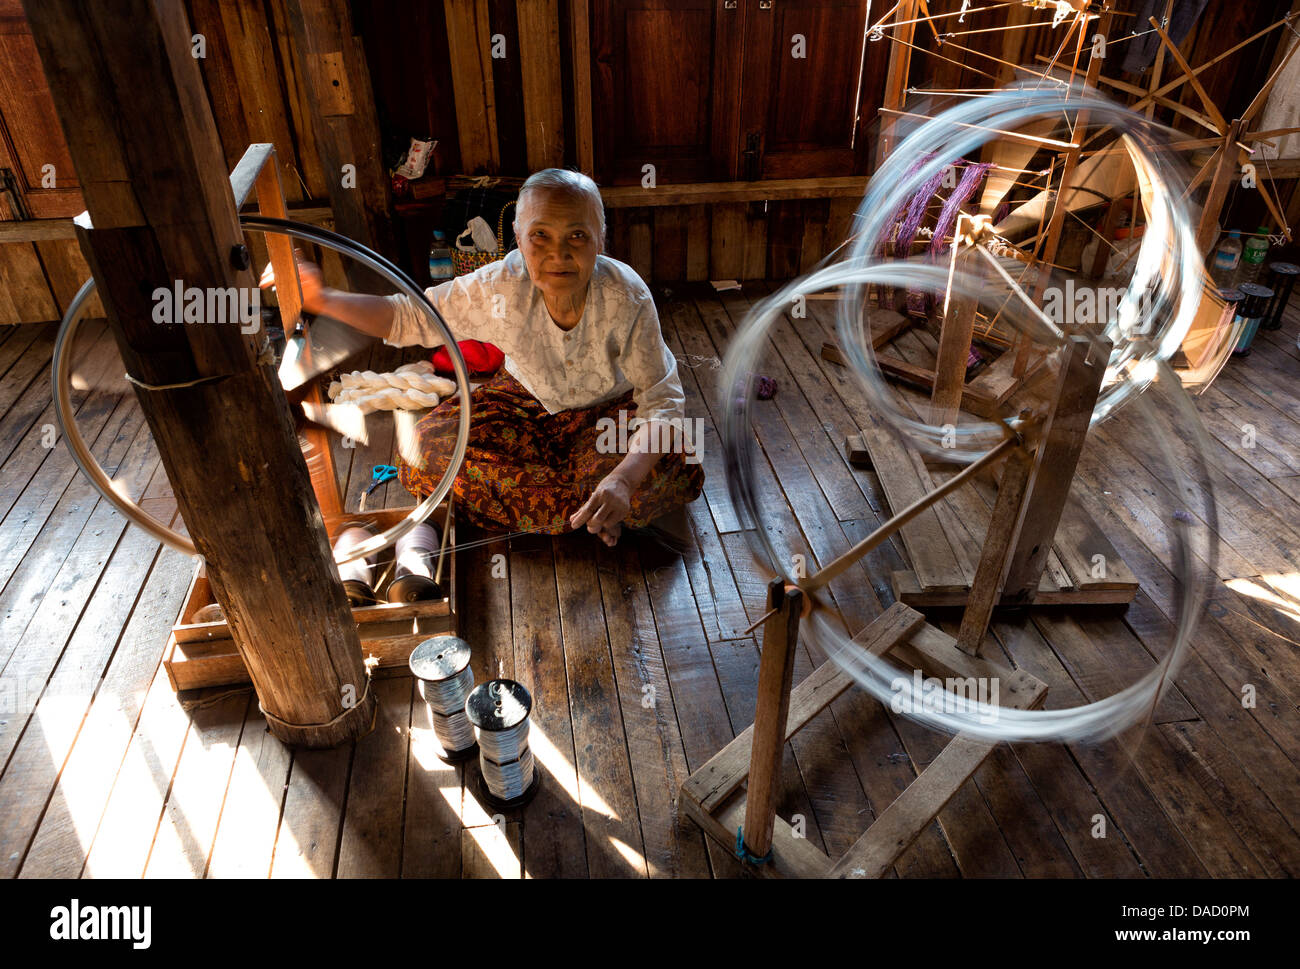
[(372, 315)]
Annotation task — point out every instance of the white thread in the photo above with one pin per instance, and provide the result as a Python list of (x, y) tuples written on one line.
[(410, 387)]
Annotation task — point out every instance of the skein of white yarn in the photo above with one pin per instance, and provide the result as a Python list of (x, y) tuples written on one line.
[(410, 387)]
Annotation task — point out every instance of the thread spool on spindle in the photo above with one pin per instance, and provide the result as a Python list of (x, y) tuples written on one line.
[(499, 710), (416, 555), (1281, 279), (358, 575), (209, 613), (1251, 310), (441, 666)]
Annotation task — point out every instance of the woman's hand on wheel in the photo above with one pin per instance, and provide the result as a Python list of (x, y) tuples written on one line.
[(604, 511), (309, 280)]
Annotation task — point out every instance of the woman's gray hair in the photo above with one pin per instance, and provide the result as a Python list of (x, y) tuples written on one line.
[(561, 181)]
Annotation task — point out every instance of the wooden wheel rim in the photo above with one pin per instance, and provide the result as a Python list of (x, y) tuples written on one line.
[(61, 372)]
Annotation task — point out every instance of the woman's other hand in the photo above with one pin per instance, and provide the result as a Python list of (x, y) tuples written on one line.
[(604, 511), (309, 280)]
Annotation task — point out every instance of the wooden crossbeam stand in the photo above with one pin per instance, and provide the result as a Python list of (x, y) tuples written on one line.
[(713, 798)]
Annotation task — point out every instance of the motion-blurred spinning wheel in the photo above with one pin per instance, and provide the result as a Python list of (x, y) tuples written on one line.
[(1089, 371), (987, 283)]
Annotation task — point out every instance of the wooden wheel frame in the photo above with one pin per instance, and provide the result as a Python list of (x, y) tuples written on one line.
[(257, 170)]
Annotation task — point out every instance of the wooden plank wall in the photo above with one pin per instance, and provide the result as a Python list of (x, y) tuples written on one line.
[(39, 279), (733, 240), (256, 88)]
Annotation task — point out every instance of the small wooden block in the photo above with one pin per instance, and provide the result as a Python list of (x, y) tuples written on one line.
[(855, 449)]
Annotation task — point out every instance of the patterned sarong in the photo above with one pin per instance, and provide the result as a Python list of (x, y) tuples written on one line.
[(528, 470)]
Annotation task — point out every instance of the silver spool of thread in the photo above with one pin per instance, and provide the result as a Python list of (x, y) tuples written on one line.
[(441, 665), (499, 712), (416, 558), (455, 733), (513, 778), (358, 575)]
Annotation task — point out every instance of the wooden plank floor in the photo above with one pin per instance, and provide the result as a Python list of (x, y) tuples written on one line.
[(640, 668)]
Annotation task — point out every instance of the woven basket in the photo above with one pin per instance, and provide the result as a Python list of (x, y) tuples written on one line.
[(466, 262)]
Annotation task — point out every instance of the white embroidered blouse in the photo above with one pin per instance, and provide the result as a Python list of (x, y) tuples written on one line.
[(617, 346)]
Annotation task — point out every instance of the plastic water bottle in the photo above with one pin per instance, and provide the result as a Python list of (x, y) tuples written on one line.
[(440, 267), (1253, 256), (1227, 257)]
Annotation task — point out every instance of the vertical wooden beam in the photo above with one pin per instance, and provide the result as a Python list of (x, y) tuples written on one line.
[(995, 557), (153, 177), (900, 62), (955, 336), (1057, 456), (580, 45), (539, 63), (257, 81), (469, 40), (347, 128), (775, 679), (1207, 230), (1057, 221), (1158, 70), (288, 296)]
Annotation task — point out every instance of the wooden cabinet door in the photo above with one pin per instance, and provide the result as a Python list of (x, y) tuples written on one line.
[(31, 142), (664, 77), (805, 64)]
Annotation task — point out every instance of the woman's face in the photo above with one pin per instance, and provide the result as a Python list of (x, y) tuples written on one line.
[(559, 241)]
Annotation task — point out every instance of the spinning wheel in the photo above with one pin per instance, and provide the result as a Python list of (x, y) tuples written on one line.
[(1087, 374), (307, 354)]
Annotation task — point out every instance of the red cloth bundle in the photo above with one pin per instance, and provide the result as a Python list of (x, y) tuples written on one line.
[(482, 359)]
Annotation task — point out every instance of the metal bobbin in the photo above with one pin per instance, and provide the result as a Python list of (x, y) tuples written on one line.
[(358, 575), (1281, 279), (212, 612), (1251, 311), (416, 556), (441, 665), (499, 710)]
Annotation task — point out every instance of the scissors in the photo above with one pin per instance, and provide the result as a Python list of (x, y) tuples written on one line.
[(381, 474)]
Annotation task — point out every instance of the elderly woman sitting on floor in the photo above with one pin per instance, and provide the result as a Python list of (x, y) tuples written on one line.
[(582, 342)]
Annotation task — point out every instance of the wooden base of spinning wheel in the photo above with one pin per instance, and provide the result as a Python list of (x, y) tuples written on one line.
[(204, 654), (1022, 521), (713, 798)]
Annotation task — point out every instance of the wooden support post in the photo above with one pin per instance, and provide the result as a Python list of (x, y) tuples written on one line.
[(775, 679), (995, 557), (539, 68), (1048, 489), (1207, 230), (343, 112), (711, 796), (954, 343), (469, 39), (153, 177), (900, 62), (288, 296), (580, 45)]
